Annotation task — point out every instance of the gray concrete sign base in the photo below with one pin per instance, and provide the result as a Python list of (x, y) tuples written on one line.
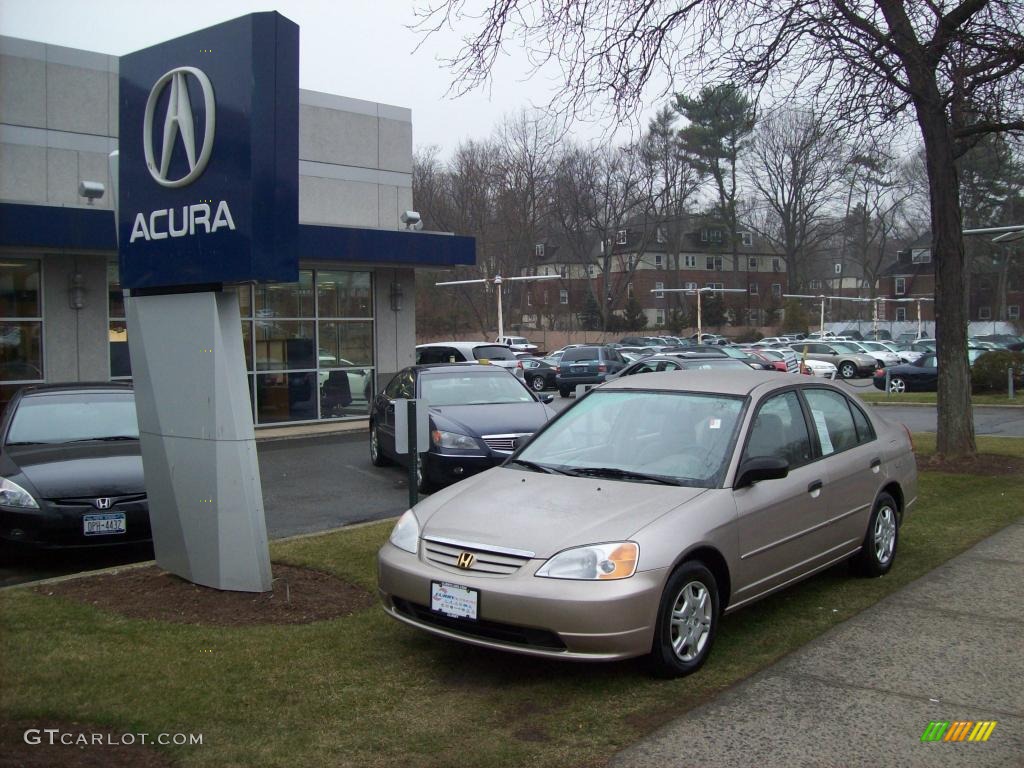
[(197, 437), (945, 648)]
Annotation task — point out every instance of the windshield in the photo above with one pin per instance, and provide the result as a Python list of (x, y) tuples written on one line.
[(74, 416), (679, 437), (440, 389)]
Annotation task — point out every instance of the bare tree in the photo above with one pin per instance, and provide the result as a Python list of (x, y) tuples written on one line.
[(796, 160), (956, 68)]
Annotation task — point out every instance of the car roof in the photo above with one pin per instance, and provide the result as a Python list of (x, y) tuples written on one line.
[(77, 386), (718, 381), (463, 345), (470, 367)]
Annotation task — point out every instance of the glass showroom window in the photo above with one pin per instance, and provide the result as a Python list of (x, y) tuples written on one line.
[(21, 326), (311, 353), (117, 328)]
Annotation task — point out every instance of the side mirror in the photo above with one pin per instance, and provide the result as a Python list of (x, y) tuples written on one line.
[(761, 468), (547, 399)]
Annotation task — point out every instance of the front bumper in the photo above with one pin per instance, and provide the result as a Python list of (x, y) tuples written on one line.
[(60, 525), (521, 613), (445, 469)]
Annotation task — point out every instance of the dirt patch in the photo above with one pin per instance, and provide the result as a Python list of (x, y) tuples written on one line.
[(87, 746), (299, 596), (985, 464)]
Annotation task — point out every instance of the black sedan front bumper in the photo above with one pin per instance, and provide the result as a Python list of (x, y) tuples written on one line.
[(60, 523)]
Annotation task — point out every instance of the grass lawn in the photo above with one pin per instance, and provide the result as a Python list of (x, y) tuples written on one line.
[(876, 396), (364, 690)]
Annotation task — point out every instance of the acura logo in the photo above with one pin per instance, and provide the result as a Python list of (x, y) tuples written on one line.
[(466, 560), (103, 503), (178, 123)]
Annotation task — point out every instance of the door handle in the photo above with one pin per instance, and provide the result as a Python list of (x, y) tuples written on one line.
[(815, 488), (876, 464)]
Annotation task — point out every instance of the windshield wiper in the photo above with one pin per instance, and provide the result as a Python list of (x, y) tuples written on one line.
[(537, 467), (26, 442), (108, 438), (620, 474)]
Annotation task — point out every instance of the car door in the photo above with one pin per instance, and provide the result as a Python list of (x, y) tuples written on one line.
[(853, 465), (779, 522)]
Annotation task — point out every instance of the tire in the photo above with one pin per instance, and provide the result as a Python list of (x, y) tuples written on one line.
[(563, 392), (897, 385), (847, 370), (537, 383), (377, 457), (687, 621), (878, 552), (423, 485)]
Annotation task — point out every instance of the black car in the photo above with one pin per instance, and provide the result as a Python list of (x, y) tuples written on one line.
[(586, 365), (71, 468), (539, 373), (479, 414), (922, 375)]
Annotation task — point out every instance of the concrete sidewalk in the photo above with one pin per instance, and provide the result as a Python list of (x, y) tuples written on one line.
[(949, 646)]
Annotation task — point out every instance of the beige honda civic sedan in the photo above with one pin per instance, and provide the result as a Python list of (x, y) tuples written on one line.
[(641, 515)]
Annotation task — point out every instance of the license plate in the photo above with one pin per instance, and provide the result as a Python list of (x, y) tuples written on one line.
[(99, 525), (453, 600), (579, 368)]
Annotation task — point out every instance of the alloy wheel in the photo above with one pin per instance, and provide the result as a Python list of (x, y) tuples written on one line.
[(885, 534), (691, 620)]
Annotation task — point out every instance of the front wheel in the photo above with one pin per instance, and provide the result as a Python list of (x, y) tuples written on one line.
[(879, 549), (847, 370), (897, 385), (537, 383), (563, 392), (377, 457), (687, 621)]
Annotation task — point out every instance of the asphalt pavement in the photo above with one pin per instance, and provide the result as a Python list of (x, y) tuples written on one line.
[(945, 648)]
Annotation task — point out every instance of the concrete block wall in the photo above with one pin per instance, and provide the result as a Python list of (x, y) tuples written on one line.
[(58, 121)]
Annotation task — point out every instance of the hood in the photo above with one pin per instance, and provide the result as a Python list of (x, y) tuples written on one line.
[(509, 418), (545, 514), (80, 469)]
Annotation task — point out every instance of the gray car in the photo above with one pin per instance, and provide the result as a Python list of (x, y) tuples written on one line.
[(845, 357), (632, 522)]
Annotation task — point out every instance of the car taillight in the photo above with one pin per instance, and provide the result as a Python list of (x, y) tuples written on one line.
[(519, 363), (558, 369), (879, 372), (602, 368)]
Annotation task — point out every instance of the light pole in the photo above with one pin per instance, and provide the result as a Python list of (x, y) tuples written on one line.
[(915, 299), (496, 281), (698, 292)]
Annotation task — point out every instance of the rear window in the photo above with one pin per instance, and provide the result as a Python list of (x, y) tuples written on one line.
[(493, 352), (582, 353)]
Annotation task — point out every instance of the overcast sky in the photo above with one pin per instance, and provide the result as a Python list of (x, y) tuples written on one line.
[(357, 48)]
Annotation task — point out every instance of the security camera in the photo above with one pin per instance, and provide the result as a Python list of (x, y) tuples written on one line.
[(92, 190), (410, 217)]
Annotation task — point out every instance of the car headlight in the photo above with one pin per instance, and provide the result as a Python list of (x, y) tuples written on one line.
[(616, 560), (13, 495), (406, 534), (444, 439)]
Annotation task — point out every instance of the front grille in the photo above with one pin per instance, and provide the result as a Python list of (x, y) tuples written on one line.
[(505, 443), (90, 501), (501, 563), (487, 630)]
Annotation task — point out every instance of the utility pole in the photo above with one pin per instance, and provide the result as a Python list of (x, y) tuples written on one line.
[(497, 281), (698, 292)]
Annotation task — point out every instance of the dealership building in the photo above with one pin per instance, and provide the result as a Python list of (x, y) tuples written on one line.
[(315, 349)]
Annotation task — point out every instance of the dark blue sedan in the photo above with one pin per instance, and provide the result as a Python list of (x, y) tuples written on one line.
[(479, 414), (922, 375)]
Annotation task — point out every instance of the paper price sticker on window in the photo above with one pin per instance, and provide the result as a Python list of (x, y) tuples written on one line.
[(822, 426), (715, 424)]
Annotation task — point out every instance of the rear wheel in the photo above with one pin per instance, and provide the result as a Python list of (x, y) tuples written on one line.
[(879, 549), (847, 370), (537, 383), (687, 621), (563, 392)]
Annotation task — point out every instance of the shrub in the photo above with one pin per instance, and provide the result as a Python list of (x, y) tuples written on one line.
[(988, 374)]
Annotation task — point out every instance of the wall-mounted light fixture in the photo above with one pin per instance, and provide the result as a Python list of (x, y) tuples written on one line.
[(396, 295), (76, 291), (91, 190)]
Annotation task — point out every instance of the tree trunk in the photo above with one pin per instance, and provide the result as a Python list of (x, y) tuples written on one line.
[(955, 417)]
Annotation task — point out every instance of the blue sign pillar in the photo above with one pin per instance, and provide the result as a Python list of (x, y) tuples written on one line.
[(207, 196)]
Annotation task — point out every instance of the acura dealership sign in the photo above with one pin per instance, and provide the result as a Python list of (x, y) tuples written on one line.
[(208, 167)]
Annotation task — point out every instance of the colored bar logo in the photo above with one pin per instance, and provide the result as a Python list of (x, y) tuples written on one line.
[(958, 730)]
